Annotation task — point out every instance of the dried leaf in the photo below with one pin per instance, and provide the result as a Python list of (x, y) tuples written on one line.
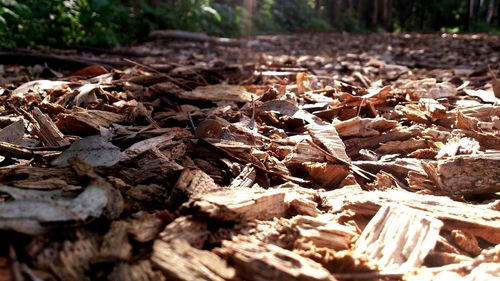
[(217, 93), (94, 150), (31, 212), (13, 133)]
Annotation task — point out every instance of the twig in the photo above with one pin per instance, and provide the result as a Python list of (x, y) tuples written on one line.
[(170, 78)]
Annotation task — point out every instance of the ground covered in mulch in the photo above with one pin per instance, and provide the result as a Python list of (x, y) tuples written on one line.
[(298, 157)]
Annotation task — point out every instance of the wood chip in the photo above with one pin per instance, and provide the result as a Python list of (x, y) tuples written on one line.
[(398, 248), (268, 262), (179, 261)]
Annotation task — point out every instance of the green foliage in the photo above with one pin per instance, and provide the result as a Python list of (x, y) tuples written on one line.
[(482, 26), (349, 22), (107, 23), (25, 23), (265, 21)]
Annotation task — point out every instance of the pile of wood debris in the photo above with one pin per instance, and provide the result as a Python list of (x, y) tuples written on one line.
[(345, 167)]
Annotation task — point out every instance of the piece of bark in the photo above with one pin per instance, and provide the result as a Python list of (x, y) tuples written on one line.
[(487, 140), (115, 245), (33, 211), (399, 168), (218, 92), (145, 227), (303, 152), (146, 195), (191, 183), (241, 204), (82, 122), (151, 167), (466, 174), (258, 261), (141, 147), (69, 260), (436, 259), (495, 83), (402, 147), (465, 122), (414, 113), (423, 153), (327, 136), (5, 270), (324, 231), (398, 248), (383, 181), (15, 151), (478, 220), (483, 267), (140, 271), (466, 242), (325, 174), (40, 178), (364, 127), (194, 231), (356, 144), (302, 200), (180, 261), (47, 131)]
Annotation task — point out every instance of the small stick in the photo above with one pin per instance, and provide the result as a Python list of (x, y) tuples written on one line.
[(191, 122), (157, 72)]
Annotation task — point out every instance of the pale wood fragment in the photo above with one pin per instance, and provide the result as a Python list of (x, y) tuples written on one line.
[(180, 261), (47, 131), (217, 93), (466, 174), (356, 144), (477, 220), (325, 174), (241, 204), (245, 179), (403, 147), (303, 152), (191, 183), (364, 127), (115, 245), (258, 261), (398, 238), (324, 231), (146, 227), (194, 231)]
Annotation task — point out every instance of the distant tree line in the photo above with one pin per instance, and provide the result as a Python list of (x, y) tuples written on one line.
[(119, 22), (400, 15)]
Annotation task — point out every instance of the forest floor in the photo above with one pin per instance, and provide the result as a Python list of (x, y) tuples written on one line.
[(297, 157)]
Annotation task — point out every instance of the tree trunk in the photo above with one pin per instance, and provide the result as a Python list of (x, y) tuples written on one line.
[(498, 13), (374, 18), (335, 12), (468, 15), (386, 10), (491, 11), (317, 8)]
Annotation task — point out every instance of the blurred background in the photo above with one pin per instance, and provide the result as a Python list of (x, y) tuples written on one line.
[(108, 23)]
